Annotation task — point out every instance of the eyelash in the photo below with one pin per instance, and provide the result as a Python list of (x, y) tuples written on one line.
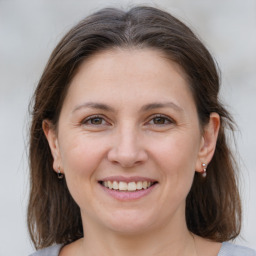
[(163, 118), (102, 119), (90, 118)]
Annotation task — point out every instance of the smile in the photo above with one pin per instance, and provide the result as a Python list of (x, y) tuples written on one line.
[(127, 186)]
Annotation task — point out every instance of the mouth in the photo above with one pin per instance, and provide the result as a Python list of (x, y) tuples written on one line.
[(131, 186), (128, 188)]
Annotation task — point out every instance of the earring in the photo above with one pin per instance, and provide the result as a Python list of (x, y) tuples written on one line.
[(204, 173), (60, 175)]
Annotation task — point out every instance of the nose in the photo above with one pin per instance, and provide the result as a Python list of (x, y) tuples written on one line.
[(127, 150)]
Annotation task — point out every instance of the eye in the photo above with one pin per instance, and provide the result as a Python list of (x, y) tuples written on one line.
[(160, 120), (94, 120)]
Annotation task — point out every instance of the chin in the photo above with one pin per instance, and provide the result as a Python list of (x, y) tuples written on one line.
[(129, 222)]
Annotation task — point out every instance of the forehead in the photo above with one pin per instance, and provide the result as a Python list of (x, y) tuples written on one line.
[(146, 61), (125, 74)]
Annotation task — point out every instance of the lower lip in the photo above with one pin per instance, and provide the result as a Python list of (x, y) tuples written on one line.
[(127, 195)]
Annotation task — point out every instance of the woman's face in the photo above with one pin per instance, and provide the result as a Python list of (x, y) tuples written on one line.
[(129, 141)]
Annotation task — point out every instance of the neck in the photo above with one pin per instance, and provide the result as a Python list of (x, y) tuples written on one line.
[(171, 240)]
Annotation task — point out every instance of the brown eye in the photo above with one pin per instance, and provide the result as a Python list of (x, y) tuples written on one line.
[(96, 120), (160, 120)]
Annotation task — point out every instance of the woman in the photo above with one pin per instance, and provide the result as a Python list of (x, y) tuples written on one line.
[(128, 153)]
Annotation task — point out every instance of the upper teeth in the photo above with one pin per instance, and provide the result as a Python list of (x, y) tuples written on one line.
[(127, 186)]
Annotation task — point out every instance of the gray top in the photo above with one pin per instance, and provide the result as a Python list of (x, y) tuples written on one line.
[(49, 251), (227, 249)]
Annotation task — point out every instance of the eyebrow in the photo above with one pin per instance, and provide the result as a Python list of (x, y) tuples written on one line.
[(94, 105), (147, 107), (155, 105)]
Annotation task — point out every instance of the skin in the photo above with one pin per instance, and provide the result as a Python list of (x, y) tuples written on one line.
[(132, 136)]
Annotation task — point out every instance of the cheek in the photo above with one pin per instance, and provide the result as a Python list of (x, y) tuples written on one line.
[(79, 155), (177, 154), (80, 161), (176, 159)]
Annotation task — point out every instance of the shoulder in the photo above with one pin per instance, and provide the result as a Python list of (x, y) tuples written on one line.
[(229, 249), (49, 251)]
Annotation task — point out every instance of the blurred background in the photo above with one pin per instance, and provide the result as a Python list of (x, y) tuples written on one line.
[(29, 30)]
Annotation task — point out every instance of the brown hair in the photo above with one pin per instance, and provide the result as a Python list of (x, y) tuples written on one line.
[(213, 206)]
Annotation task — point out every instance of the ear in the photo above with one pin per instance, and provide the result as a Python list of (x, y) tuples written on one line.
[(208, 142), (51, 136)]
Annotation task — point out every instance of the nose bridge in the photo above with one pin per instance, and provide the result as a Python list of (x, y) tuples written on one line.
[(128, 140), (127, 148)]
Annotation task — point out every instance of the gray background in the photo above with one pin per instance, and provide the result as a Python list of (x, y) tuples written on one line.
[(29, 30)]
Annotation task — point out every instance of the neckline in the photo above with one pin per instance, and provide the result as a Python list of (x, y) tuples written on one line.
[(60, 246)]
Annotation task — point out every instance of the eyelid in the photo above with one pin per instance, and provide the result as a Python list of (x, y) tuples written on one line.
[(87, 119), (169, 119)]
